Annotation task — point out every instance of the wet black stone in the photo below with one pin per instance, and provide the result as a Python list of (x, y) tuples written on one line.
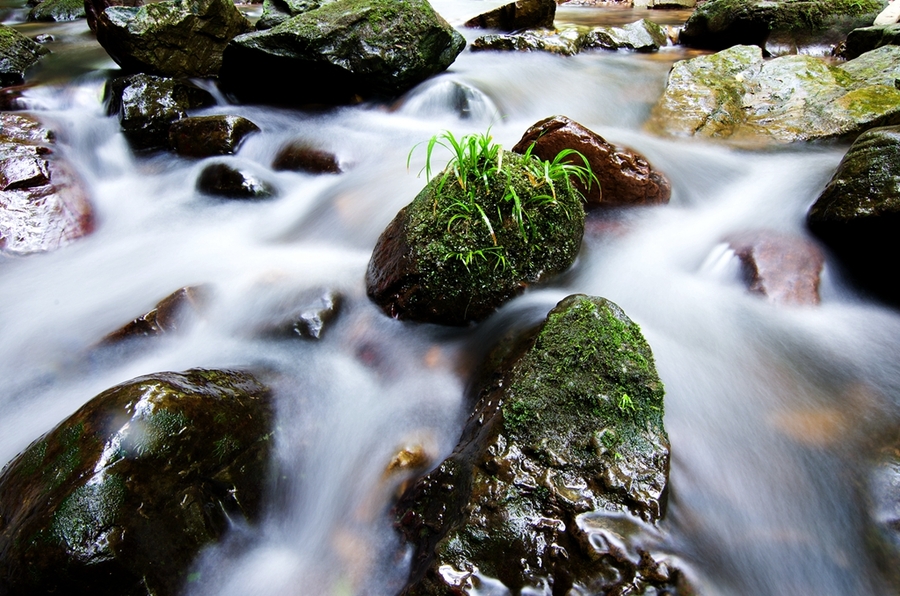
[(233, 182)]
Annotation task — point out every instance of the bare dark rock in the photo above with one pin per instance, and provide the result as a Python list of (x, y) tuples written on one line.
[(234, 180), (298, 156), (784, 268), (171, 315), (518, 15), (206, 136)]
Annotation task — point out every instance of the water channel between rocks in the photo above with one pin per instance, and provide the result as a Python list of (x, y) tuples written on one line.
[(772, 411)]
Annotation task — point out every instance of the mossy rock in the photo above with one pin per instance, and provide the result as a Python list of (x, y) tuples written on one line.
[(275, 12), (431, 266), (120, 497), (17, 54), (567, 40), (569, 420), (57, 11)]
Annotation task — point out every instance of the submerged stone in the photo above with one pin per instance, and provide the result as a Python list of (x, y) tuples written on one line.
[(172, 314), (568, 421), (206, 136), (517, 15), (784, 268), (121, 496), (17, 54), (234, 180)]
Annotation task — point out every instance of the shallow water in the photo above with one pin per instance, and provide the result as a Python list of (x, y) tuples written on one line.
[(772, 411)]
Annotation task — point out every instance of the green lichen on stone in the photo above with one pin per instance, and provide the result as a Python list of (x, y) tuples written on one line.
[(57, 11), (17, 54), (85, 517)]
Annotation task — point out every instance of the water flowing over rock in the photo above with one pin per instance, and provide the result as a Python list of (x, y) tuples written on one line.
[(57, 11), (864, 39), (298, 156), (735, 94), (122, 495), (720, 24), (640, 36), (521, 14), (858, 213), (172, 314), (625, 176), (175, 38), (43, 203), (205, 136), (234, 180), (17, 54), (568, 421), (342, 50), (454, 255)]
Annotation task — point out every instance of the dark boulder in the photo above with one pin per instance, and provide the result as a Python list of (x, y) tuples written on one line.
[(859, 41), (858, 214), (17, 54), (175, 38), (625, 176), (43, 203), (147, 105), (275, 12), (172, 314), (342, 50), (57, 11), (206, 136), (568, 421), (518, 15), (93, 8), (784, 268), (233, 180), (119, 498), (298, 156)]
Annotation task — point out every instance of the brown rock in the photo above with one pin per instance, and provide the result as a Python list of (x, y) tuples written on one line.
[(515, 16), (171, 314), (782, 267), (205, 136), (625, 176), (298, 156)]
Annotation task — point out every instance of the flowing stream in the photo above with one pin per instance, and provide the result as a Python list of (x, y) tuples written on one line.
[(774, 413)]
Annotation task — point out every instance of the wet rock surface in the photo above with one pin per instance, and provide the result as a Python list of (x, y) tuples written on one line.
[(784, 268), (625, 176), (43, 203), (17, 54), (298, 156), (121, 496), (57, 11), (735, 94), (313, 315), (147, 105), (175, 38), (276, 12), (172, 314), (641, 36), (361, 47), (522, 14), (93, 8), (859, 41), (234, 180), (568, 420), (858, 213), (206, 136)]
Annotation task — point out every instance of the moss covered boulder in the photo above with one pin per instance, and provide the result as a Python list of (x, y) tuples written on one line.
[(858, 213), (175, 38), (464, 246), (17, 54), (736, 95), (640, 36), (57, 11), (720, 24), (340, 51), (120, 497), (568, 423), (275, 12)]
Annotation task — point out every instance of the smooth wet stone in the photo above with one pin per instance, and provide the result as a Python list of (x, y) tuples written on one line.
[(171, 315), (518, 15), (175, 38), (859, 41), (640, 36), (147, 105), (44, 205), (568, 40), (57, 11), (310, 318), (298, 156), (275, 12), (17, 54), (858, 213), (234, 180), (342, 50), (784, 268), (568, 420), (120, 498), (206, 136), (736, 95), (625, 177)]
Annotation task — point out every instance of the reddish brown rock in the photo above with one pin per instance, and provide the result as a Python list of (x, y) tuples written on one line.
[(171, 314), (43, 204), (205, 136), (515, 16), (298, 156), (625, 176), (782, 267)]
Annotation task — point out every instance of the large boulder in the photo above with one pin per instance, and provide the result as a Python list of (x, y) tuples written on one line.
[(205, 136), (43, 203), (17, 54), (120, 497), (859, 41), (175, 38), (858, 213), (568, 421), (517, 15), (275, 12), (342, 50), (57, 11), (720, 24), (469, 242), (640, 36), (625, 176), (735, 94)]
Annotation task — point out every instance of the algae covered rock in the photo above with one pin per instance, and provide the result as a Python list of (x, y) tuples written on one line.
[(275, 12), (858, 213), (176, 38), (57, 11), (341, 50), (569, 422), (567, 40), (120, 497), (479, 232), (735, 94), (17, 54)]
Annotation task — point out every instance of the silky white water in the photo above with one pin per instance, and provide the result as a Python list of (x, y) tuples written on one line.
[(773, 412)]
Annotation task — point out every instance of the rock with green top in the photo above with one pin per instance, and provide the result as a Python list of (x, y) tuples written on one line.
[(568, 423), (736, 95), (720, 24), (120, 497), (468, 243), (341, 51), (858, 213), (17, 54), (275, 12), (175, 38), (57, 11)]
